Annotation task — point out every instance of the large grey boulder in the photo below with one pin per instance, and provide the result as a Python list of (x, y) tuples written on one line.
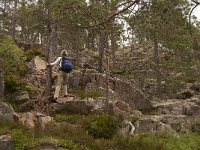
[(118, 89), (6, 112), (71, 107), (126, 91), (152, 124)]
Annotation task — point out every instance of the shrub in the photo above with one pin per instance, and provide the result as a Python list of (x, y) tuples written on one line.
[(15, 65), (102, 126)]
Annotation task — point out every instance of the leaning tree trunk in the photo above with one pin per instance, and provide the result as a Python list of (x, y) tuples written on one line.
[(157, 70), (2, 83), (50, 49)]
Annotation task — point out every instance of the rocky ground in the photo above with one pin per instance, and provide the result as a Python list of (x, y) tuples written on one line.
[(120, 96)]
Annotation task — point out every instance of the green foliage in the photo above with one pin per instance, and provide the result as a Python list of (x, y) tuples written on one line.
[(29, 89), (86, 94), (164, 141), (75, 138), (102, 126), (15, 65), (30, 138), (68, 118), (31, 53)]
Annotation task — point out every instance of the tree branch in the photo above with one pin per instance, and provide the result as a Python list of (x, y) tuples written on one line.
[(190, 14), (113, 15)]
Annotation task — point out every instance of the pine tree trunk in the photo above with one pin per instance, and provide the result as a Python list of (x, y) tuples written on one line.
[(101, 50), (157, 70), (113, 49), (77, 47), (2, 82), (14, 20), (51, 48)]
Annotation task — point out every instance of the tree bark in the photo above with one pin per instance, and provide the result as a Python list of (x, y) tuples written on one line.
[(50, 49), (157, 70), (113, 49), (101, 46), (77, 47), (2, 82), (14, 20)]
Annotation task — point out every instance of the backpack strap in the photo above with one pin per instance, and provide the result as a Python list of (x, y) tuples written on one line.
[(60, 63)]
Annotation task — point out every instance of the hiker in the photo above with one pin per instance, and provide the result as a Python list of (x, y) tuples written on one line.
[(65, 67)]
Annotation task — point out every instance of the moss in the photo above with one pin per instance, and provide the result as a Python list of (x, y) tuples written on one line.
[(87, 94)]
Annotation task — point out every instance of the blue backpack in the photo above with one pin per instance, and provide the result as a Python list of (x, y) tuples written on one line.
[(66, 65)]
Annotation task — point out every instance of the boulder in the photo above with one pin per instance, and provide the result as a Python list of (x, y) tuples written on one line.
[(121, 108), (75, 79), (28, 120), (172, 106), (79, 78), (119, 89), (71, 107), (152, 124), (6, 142), (196, 126), (16, 117), (164, 127), (21, 97), (100, 104), (195, 87), (37, 63), (178, 122), (6, 112), (24, 107), (186, 94), (126, 91), (193, 110), (44, 120)]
